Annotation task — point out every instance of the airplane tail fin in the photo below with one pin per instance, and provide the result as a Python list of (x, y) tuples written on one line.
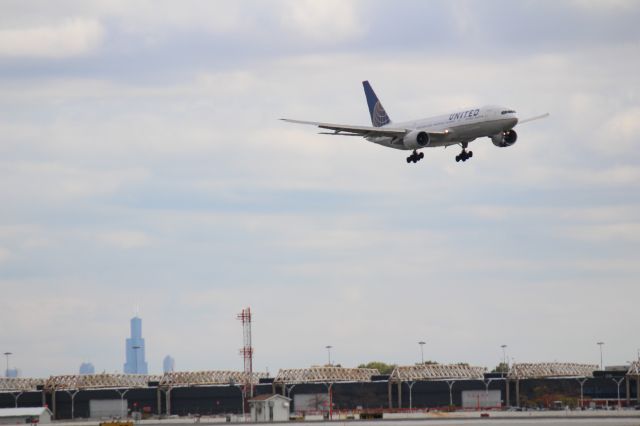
[(379, 116)]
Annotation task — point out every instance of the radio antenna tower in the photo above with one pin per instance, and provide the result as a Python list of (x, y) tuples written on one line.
[(247, 350)]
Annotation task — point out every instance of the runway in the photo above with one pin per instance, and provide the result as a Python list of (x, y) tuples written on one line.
[(505, 421)]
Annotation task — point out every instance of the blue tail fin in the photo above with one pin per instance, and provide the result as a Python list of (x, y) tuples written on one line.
[(379, 116)]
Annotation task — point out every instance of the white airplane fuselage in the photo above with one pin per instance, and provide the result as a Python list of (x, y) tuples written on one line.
[(460, 126)]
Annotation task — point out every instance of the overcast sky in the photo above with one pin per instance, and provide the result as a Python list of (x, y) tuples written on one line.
[(142, 163)]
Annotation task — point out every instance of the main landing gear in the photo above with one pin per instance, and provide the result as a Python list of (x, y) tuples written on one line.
[(415, 157), (464, 155)]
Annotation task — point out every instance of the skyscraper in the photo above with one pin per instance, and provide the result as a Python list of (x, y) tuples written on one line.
[(136, 363), (87, 368), (168, 364)]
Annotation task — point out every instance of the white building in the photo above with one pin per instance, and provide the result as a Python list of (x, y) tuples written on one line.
[(13, 416), (270, 408)]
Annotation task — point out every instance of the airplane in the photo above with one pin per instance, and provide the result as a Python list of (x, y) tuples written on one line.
[(457, 128)]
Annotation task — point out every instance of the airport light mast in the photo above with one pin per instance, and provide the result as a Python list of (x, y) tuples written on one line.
[(601, 365), (7, 355), (422, 343), (504, 356)]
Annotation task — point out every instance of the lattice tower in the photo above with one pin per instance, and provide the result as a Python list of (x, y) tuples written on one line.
[(247, 349)]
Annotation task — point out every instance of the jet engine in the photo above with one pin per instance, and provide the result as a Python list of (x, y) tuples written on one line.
[(416, 139), (505, 139)]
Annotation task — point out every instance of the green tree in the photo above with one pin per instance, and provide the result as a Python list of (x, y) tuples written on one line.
[(382, 367), (501, 368)]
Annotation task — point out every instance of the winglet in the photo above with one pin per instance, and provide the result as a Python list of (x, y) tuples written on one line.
[(378, 115)]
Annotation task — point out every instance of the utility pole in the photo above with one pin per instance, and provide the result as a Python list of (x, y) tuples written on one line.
[(601, 365), (422, 343), (504, 356), (7, 355)]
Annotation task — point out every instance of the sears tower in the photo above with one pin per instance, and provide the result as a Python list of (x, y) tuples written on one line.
[(135, 349)]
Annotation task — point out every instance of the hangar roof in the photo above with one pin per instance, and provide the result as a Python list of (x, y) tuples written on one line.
[(325, 375), (99, 381), (542, 370), (195, 378), (437, 372)]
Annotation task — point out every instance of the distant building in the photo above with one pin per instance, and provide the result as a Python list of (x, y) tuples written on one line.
[(168, 364), (87, 368), (134, 349), (12, 373)]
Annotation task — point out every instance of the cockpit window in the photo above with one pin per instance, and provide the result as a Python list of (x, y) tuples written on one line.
[(508, 111)]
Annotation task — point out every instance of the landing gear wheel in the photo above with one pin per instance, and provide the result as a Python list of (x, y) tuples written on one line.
[(415, 157), (464, 155)]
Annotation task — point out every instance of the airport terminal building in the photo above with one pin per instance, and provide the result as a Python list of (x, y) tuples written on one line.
[(326, 391)]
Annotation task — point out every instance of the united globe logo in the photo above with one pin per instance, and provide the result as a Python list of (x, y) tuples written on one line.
[(379, 116)]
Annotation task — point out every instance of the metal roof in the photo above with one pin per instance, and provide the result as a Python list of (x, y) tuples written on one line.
[(325, 375), (13, 384), (437, 372), (634, 369), (196, 378), (550, 370), (99, 381)]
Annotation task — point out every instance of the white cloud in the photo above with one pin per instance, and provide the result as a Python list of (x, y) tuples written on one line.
[(55, 181), (124, 239), (618, 232), (72, 38), (4, 254), (619, 134), (326, 22)]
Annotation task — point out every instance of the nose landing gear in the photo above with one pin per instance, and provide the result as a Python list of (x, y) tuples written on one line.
[(415, 157)]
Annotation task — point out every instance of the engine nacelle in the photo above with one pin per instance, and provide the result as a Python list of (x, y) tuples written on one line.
[(505, 139), (416, 139)]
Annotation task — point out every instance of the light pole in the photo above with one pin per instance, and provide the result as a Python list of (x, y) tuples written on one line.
[(422, 343), (7, 355), (328, 347), (504, 356), (600, 344)]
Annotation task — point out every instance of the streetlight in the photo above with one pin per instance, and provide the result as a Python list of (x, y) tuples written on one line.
[(7, 354), (504, 356), (328, 347), (421, 343), (600, 344)]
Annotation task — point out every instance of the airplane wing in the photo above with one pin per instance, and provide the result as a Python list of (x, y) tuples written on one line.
[(537, 117), (348, 130)]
